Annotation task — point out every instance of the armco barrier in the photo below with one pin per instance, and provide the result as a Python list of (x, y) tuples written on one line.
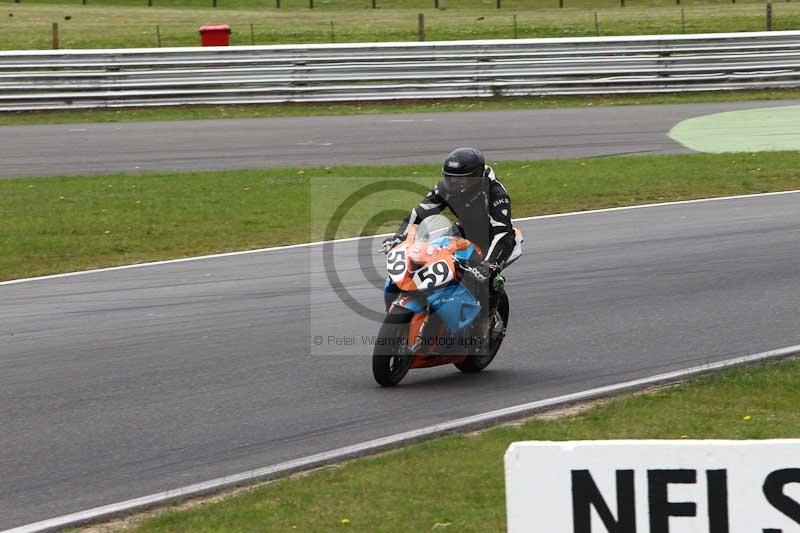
[(66, 79)]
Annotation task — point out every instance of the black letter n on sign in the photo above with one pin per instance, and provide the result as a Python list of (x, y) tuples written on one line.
[(585, 494)]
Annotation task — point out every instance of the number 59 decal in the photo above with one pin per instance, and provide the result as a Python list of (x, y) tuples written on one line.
[(433, 275), (396, 264)]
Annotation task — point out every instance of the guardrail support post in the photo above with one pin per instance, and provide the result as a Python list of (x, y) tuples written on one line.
[(769, 16), (421, 27), (55, 36)]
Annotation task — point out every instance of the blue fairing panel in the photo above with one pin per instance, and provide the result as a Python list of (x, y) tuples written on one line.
[(393, 294), (456, 305), (466, 253)]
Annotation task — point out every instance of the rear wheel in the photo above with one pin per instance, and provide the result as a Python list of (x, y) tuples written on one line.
[(476, 362), (392, 357)]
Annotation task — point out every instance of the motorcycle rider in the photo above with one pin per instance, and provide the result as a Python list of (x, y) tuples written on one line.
[(471, 190)]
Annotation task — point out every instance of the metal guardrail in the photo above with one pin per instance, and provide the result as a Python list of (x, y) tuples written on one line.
[(69, 79)]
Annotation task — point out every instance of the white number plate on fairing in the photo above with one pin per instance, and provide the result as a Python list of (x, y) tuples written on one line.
[(433, 275), (396, 264)]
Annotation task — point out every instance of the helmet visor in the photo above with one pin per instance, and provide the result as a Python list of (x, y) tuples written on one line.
[(460, 184)]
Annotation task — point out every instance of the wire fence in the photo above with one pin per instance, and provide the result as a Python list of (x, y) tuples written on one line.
[(69, 34)]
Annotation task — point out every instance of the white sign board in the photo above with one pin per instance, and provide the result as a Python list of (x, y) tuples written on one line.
[(662, 486)]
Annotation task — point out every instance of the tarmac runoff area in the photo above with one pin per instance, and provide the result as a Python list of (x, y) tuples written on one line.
[(747, 130)]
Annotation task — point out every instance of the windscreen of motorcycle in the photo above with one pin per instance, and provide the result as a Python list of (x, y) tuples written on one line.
[(434, 227)]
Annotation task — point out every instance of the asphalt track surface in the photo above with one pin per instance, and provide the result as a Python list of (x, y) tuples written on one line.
[(336, 140), (123, 383)]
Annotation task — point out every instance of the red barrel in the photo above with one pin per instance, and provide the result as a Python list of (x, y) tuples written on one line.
[(215, 35)]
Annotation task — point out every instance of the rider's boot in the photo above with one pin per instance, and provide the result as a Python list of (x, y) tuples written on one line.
[(485, 322)]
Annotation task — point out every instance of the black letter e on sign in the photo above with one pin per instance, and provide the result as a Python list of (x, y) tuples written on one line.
[(585, 494), (773, 490)]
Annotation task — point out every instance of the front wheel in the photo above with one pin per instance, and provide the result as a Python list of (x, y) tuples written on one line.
[(392, 357), (477, 362)]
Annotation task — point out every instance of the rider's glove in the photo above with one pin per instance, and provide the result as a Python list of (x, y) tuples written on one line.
[(391, 242), (484, 271)]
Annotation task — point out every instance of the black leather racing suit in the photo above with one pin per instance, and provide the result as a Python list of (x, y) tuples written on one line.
[(484, 215)]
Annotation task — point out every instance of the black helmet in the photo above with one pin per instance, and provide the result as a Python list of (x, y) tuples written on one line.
[(463, 170)]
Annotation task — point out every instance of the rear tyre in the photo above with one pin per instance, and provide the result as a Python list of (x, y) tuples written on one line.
[(392, 357), (478, 361)]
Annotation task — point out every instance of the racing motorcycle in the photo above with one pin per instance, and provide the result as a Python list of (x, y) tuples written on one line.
[(434, 319)]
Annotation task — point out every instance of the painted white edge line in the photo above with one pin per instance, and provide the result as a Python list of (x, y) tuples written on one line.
[(317, 243), (385, 443)]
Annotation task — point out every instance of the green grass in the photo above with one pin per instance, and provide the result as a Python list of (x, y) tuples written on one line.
[(459, 479), (62, 224), (20, 118), (117, 24)]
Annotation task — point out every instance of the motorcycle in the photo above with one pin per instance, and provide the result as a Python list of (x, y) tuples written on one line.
[(433, 320)]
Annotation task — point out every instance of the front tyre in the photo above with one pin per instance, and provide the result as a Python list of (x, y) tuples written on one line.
[(477, 362), (392, 357)]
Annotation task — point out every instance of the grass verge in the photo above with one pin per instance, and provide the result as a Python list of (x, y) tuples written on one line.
[(22, 118), (128, 23), (458, 480), (62, 224)]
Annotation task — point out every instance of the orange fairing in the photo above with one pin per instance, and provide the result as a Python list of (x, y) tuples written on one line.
[(420, 255)]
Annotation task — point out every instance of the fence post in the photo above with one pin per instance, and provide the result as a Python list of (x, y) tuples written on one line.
[(55, 36), (621, 3), (310, 4), (158, 35), (149, 3), (436, 4), (213, 3), (596, 24), (498, 4), (769, 16), (515, 26), (421, 27), (277, 4), (374, 4), (683, 20), (561, 4)]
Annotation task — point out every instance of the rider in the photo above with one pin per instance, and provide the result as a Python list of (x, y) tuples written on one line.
[(471, 190)]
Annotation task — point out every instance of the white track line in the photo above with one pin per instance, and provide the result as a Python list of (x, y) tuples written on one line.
[(317, 243), (392, 441)]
